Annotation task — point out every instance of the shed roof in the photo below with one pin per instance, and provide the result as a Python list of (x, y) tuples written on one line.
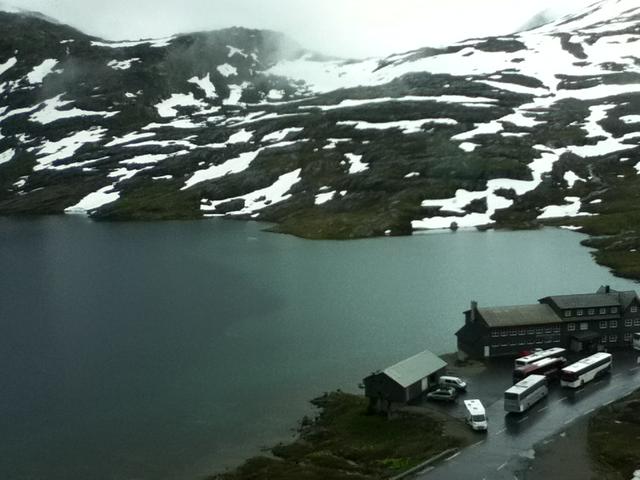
[(517, 315), (413, 369)]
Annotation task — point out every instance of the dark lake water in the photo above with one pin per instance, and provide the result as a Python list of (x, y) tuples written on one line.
[(172, 350)]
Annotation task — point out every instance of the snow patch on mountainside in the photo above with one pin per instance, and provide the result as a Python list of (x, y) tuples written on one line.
[(166, 108), (543, 164), (94, 200), (206, 85), (40, 71), (6, 156), (52, 151), (122, 64), (6, 65), (258, 199), (51, 111)]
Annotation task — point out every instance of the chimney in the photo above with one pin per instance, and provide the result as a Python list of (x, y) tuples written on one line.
[(607, 289), (474, 310)]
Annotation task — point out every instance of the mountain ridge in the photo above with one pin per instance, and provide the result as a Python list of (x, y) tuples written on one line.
[(521, 130)]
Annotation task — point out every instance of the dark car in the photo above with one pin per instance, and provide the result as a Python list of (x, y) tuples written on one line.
[(443, 394)]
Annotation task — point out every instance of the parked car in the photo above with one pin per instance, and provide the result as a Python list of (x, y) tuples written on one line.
[(455, 382), (446, 394)]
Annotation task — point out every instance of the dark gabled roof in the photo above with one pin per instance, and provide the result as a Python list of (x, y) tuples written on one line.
[(414, 369), (627, 297), (518, 315), (592, 300)]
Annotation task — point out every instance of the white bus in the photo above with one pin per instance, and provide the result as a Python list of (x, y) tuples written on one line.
[(534, 357), (636, 341), (525, 393), (585, 370)]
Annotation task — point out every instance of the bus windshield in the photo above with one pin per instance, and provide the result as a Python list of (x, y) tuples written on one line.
[(478, 418), (569, 376), (511, 396)]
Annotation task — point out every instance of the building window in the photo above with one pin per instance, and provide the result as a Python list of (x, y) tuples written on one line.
[(584, 326), (603, 339), (613, 338), (513, 332), (494, 333), (614, 309), (538, 341), (636, 322), (539, 331), (567, 313), (531, 331), (503, 332), (547, 340), (627, 337), (634, 309), (628, 322), (571, 327), (613, 324), (591, 311), (579, 312), (523, 331), (547, 330), (602, 311), (603, 324), (556, 329)]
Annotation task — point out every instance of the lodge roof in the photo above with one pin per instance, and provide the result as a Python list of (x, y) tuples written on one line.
[(604, 297), (586, 300), (535, 314), (414, 369)]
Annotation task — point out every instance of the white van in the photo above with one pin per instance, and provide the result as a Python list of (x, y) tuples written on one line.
[(455, 382), (476, 416)]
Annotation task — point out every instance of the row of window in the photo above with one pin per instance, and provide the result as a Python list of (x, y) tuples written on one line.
[(614, 338), (592, 311), (548, 340), (628, 322), (539, 341), (571, 327), (504, 332)]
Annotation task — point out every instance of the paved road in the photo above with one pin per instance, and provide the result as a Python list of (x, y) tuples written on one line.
[(508, 445)]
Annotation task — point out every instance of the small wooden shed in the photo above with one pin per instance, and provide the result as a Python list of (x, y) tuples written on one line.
[(404, 381)]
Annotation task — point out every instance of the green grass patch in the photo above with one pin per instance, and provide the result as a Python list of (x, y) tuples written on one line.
[(614, 437), (346, 442)]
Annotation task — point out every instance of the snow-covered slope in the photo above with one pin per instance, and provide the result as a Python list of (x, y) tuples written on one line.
[(508, 130)]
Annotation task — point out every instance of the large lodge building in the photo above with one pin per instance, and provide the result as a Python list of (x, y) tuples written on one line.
[(583, 322)]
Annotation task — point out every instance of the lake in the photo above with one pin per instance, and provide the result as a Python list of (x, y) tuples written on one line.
[(173, 350)]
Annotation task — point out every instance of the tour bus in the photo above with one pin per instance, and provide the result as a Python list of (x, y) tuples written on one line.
[(549, 367), (525, 393), (585, 370), (476, 416), (636, 341), (534, 357)]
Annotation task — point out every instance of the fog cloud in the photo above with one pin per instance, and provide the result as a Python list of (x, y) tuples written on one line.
[(347, 28)]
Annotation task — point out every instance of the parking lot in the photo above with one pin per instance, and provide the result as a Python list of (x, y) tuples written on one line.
[(509, 442)]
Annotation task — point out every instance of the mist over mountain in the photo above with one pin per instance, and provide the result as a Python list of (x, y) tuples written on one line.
[(518, 130)]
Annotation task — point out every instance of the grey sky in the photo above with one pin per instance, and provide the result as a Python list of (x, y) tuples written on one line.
[(350, 28)]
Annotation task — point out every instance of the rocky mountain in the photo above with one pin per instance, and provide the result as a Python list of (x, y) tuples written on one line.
[(541, 126)]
